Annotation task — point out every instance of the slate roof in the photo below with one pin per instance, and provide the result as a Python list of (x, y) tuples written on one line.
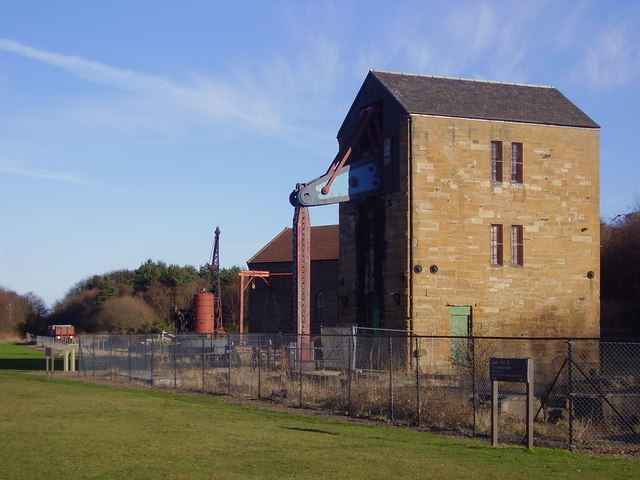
[(454, 97), (325, 241)]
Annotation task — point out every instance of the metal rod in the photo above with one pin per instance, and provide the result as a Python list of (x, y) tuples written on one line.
[(473, 384), (110, 366), (202, 363), (259, 367), (570, 393), (229, 365), (417, 357), (175, 363), (391, 409), (300, 366)]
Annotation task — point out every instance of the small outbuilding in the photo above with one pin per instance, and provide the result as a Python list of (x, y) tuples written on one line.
[(270, 300)]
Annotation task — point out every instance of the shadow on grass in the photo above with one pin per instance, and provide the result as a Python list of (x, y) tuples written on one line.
[(27, 364), (16, 356), (312, 430)]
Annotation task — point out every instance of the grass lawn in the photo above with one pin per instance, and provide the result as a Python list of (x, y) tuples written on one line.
[(56, 429)]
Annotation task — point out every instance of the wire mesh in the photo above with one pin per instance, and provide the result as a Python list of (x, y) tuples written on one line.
[(587, 392)]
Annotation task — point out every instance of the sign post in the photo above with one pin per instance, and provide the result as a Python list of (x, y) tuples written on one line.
[(518, 370)]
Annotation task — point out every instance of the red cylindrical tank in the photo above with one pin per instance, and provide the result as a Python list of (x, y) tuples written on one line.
[(204, 312)]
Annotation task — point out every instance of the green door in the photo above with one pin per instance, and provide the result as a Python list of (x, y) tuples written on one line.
[(460, 327)]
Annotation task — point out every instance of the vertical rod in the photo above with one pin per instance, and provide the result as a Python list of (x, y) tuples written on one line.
[(259, 360), (570, 393), (202, 363), (494, 412), (391, 379), (229, 365), (93, 360), (129, 360), (110, 367), (530, 398), (473, 384), (151, 361), (418, 400), (175, 363), (350, 370), (81, 359), (300, 367)]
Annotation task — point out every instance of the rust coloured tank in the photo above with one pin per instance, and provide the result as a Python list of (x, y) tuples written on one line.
[(204, 312)]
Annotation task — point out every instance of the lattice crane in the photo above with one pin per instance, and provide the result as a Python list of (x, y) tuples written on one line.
[(214, 281)]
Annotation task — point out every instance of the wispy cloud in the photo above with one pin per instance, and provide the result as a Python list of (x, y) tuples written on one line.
[(613, 58), (208, 97), (268, 101), (22, 171)]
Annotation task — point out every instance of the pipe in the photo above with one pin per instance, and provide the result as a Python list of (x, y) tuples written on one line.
[(410, 308)]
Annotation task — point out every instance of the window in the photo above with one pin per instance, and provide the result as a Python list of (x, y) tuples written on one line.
[(496, 244), (516, 162), (517, 250), (496, 161)]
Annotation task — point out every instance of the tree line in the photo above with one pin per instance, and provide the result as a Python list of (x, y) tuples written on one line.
[(620, 272), (122, 301)]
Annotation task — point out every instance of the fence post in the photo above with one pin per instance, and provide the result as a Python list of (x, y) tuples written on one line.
[(349, 367), (151, 361), (129, 360), (570, 392), (174, 341), (473, 383), (229, 365), (202, 363), (391, 379), (110, 367), (417, 357), (300, 366), (93, 359), (259, 359)]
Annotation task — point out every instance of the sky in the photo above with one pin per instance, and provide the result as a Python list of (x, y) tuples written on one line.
[(130, 129)]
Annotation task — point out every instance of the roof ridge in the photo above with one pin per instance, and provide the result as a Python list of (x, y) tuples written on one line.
[(461, 79)]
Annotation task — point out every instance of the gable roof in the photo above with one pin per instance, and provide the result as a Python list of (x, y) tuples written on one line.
[(455, 97), (325, 241)]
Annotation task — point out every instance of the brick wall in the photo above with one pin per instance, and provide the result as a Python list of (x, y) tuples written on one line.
[(269, 306)]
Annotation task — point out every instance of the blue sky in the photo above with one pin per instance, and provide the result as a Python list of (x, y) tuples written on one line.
[(130, 129)]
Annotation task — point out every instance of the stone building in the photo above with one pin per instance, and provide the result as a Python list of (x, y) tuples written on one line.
[(487, 218), (270, 303)]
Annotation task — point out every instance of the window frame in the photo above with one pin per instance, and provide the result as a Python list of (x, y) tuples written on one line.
[(497, 164), (517, 245), (517, 162), (496, 245)]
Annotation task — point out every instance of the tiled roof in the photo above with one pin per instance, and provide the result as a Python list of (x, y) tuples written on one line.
[(453, 97), (325, 241)]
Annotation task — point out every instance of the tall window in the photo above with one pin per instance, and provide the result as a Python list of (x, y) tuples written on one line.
[(496, 244), (516, 162), (517, 250), (496, 161)]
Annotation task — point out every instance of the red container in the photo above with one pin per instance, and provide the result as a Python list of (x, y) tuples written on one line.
[(204, 312)]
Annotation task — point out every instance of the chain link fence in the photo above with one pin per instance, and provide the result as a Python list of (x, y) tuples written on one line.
[(587, 392)]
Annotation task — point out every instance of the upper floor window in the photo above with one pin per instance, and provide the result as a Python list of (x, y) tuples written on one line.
[(516, 162), (517, 249), (496, 244), (496, 161)]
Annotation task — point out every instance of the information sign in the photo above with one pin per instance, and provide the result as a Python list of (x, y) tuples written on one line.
[(509, 370)]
